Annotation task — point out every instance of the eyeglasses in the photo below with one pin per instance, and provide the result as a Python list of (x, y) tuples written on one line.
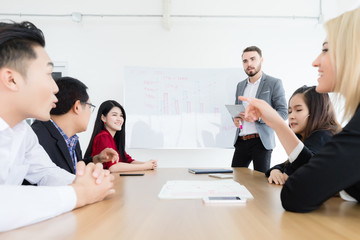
[(92, 106)]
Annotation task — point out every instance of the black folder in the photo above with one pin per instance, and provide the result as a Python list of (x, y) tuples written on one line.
[(211, 170)]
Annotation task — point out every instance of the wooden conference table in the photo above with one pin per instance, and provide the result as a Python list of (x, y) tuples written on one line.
[(136, 212)]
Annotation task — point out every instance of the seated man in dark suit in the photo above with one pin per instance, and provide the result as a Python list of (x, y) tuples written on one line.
[(71, 116)]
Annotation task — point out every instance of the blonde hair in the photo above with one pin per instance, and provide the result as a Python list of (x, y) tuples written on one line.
[(343, 36)]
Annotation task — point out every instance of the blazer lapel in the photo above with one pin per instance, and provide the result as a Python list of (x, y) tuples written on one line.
[(262, 82), (242, 87), (241, 91), (78, 152), (61, 144)]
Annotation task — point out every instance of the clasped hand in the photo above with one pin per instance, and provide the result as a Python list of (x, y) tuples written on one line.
[(92, 183), (277, 177)]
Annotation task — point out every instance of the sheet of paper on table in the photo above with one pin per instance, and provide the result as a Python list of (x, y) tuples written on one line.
[(184, 189)]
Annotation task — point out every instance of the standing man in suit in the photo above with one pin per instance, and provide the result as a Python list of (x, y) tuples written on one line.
[(71, 116), (254, 141)]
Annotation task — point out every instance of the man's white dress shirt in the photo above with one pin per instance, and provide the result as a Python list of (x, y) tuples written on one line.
[(22, 157), (250, 91)]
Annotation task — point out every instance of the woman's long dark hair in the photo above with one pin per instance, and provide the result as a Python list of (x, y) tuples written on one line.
[(321, 111), (119, 136)]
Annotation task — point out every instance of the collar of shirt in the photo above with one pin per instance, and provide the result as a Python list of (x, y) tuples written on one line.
[(70, 142), (256, 82), (3, 125)]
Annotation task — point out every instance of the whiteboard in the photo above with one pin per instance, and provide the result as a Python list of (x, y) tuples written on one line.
[(179, 107)]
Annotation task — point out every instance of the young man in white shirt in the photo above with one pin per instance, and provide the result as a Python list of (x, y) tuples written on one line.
[(27, 90)]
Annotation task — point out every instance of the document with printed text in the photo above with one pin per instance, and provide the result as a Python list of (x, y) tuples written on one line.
[(184, 189)]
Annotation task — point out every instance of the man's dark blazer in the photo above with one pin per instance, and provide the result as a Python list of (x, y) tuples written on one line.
[(54, 144)]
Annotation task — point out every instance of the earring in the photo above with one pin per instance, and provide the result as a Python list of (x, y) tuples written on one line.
[(104, 122)]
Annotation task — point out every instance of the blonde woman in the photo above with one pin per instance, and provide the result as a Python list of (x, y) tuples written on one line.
[(336, 167)]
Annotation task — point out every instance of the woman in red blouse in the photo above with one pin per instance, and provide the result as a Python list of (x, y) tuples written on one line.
[(109, 132)]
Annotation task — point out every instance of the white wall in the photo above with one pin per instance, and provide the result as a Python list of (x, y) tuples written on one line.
[(97, 49)]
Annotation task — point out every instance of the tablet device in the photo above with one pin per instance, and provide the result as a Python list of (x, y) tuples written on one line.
[(235, 110)]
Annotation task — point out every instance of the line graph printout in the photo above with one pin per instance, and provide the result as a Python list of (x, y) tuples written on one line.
[(180, 108)]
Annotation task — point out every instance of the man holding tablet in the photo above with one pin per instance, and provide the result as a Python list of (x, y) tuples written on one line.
[(255, 141)]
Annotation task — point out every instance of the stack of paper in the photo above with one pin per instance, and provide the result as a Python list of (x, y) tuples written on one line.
[(183, 189)]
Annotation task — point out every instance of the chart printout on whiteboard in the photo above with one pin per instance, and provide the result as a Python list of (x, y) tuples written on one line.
[(170, 108)]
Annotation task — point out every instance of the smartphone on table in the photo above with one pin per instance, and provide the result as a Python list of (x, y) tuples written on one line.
[(224, 199)]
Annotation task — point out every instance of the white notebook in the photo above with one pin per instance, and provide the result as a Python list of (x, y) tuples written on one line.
[(221, 175)]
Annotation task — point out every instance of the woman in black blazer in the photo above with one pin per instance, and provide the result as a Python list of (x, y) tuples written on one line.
[(336, 167), (312, 119)]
